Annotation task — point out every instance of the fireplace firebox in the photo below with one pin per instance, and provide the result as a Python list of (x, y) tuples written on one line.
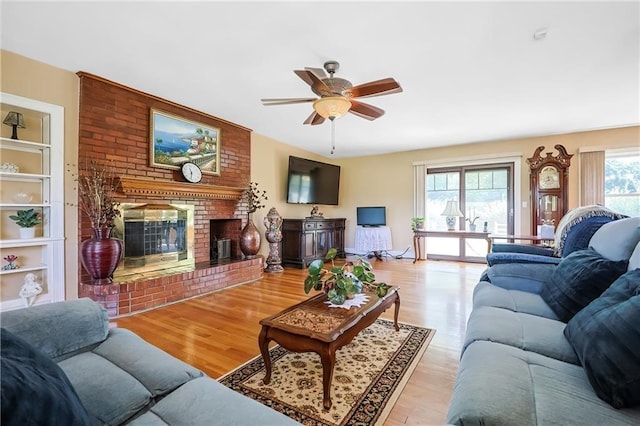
[(155, 237), (224, 236)]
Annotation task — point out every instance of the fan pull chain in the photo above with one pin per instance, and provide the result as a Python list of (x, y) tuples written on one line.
[(333, 134)]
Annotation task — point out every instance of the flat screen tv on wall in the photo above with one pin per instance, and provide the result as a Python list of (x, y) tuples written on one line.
[(371, 216), (312, 182)]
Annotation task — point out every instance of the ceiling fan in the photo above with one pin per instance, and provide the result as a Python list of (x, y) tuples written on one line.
[(337, 95)]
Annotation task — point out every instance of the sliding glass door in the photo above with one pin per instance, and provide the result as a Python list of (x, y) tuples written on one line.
[(485, 192)]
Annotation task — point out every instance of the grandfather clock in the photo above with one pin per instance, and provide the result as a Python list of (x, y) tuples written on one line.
[(549, 187)]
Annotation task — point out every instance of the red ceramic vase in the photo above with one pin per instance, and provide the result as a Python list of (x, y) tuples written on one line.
[(100, 255)]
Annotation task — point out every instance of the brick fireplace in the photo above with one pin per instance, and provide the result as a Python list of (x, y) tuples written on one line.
[(114, 132)]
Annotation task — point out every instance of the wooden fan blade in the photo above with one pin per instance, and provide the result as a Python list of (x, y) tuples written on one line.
[(285, 101), (386, 86), (314, 119), (319, 72), (312, 80), (366, 111)]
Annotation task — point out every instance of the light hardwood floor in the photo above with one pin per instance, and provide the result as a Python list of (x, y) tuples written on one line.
[(218, 332)]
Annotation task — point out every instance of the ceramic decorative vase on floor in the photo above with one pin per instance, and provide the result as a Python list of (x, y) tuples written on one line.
[(249, 239), (100, 256), (273, 233)]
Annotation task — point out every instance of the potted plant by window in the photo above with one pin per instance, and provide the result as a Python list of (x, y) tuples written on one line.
[(417, 223), (26, 220), (472, 223)]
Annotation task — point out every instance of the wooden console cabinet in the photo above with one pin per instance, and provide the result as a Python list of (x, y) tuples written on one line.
[(305, 240)]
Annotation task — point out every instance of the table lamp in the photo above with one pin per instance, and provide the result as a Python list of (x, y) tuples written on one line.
[(451, 211), (16, 120)]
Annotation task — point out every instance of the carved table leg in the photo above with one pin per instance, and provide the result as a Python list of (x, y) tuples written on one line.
[(397, 309), (328, 358), (263, 343)]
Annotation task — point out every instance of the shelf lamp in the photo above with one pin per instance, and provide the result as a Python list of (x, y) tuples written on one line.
[(332, 107), (451, 211), (16, 120)]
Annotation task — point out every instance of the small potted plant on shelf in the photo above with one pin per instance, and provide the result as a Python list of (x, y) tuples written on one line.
[(26, 220), (417, 223), (342, 282)]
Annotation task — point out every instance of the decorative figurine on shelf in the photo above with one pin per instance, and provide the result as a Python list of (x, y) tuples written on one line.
[(11, 265), (315, 212), (273, 233), (30, 289), (485, 228)]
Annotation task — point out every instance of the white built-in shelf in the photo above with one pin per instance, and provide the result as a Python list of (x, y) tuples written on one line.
[(44, 161), (28, 242), (23, 269), (18, 145), (22, 206), (23, 176)]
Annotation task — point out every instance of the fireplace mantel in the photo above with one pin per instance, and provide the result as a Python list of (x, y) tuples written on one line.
[(149, 187)]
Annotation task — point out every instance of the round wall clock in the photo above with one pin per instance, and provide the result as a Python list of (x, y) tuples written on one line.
[(191, 172)]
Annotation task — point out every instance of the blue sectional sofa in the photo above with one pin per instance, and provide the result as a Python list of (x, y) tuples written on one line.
[(62, 364), (573, 233), (557, 344)]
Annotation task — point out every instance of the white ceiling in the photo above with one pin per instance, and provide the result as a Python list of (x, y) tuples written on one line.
[(471, 71)]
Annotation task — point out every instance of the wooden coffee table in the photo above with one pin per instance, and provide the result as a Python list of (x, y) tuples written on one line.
[(312, 326)]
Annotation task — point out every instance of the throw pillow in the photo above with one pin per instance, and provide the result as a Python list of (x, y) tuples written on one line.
[(578, 279), (606, 338), (617, 239), (35, 390), (577, 226)]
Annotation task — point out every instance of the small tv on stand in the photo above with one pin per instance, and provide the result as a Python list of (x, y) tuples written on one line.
[(371, 216)]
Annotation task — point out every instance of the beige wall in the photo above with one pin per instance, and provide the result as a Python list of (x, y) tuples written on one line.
[(388, 179), (376, 180), (35, 80), (269, 163)]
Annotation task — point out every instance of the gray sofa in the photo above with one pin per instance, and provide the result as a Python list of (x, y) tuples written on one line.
[(523, 363), (118, 377)]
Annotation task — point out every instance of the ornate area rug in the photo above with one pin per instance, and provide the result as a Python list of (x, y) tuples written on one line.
[(368, 377)]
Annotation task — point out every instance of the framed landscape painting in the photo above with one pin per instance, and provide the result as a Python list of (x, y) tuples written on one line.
[(175, 140)]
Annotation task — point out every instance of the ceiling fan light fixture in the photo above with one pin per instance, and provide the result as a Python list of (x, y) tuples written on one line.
[(332, 106)]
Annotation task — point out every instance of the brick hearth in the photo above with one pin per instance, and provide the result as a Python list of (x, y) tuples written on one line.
[(129, 297), (114, 132)]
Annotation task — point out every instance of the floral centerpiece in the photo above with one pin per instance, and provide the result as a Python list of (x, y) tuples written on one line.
[(342, 282)]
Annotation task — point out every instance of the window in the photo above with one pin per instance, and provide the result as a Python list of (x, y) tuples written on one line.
[(622, 181), (485, 191)]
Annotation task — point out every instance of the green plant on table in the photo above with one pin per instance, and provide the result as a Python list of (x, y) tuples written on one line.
[(26, 218), (472, 221), (417, 223), (342, 282)]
